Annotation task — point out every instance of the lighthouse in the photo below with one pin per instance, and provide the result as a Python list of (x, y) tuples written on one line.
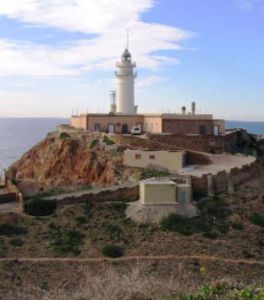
[(125, 81)]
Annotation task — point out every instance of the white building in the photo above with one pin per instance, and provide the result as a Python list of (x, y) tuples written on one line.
[(125, 77)]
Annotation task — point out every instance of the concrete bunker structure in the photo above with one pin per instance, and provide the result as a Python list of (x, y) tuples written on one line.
[(160, 197), (156, 191)]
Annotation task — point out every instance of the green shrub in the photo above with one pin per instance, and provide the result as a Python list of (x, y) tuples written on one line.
[(17, 242), (212, 234), (107, 141), (257, 219), (64, 135), (177, 223), (3, 248), (247, 254), (149, 173), (93, 144), (40, 207), (211, 221), (81, 220), (9, 230), (112, 251), (237, 226)]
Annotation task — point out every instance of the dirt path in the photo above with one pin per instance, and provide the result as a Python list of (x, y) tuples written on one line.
[(131, 258), (95, 191)]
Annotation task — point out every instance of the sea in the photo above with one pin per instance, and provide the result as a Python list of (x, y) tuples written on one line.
[(18, 135)]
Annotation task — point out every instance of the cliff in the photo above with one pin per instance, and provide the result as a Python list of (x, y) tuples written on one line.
[(67, 160)]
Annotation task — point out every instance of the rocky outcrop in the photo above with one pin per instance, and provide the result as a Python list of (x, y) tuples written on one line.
[(63, 160)]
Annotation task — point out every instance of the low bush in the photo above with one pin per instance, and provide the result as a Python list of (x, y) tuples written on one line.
[(257, 219), (112, 251), (9, 230), (81, 220), (149, 173), (64, 135), (223, 291), (237, 226), (177, 223), (17, 242), (93, 144), (107, 141), (211, 221), (40, 207)]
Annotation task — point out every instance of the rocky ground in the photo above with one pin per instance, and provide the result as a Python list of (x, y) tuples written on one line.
[(64, 161)]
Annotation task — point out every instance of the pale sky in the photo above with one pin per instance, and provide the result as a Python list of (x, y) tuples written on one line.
[(59, 55)]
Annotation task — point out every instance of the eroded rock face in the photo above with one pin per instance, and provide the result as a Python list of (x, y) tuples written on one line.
[(59, 161)]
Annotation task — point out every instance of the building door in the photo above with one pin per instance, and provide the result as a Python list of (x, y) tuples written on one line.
[(111, 128), (182, 198), (203, 130), (216, 130), (124, 128)]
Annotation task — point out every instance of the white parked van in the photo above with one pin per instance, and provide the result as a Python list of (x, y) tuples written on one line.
[(137, 129)]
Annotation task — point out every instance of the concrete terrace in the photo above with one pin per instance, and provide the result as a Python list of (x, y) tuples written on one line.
[(220, 162)]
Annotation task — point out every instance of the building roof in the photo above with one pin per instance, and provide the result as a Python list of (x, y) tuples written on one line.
[(126, 56)]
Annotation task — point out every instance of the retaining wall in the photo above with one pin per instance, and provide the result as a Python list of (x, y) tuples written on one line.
[(223, 181)]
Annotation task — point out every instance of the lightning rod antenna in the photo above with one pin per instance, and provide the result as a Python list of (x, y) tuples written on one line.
[(127, 39)]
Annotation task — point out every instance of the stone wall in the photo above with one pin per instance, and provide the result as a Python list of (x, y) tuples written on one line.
[(232, 142), (128, 194), (224, 183), (11, 193), (8, 197)]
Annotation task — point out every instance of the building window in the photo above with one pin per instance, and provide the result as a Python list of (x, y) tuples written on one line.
[(137, 156), (97, 126), (152, 157)]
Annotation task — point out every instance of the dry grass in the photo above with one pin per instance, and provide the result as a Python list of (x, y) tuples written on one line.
[(137, 282)]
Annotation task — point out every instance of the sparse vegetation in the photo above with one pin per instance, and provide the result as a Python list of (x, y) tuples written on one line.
[(40, 207), (211, 222), (108, 141), (65, 241), (10, 230), (257, 219), (80, 221), (64, 135), (223, 291), (93, 144), (237, 225), (17, 242), (149, 173), (112, 251)]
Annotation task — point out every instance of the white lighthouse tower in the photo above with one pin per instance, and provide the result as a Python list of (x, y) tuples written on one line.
[(125, 81)]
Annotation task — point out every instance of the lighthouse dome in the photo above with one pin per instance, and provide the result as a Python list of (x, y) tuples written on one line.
[(126, 56)]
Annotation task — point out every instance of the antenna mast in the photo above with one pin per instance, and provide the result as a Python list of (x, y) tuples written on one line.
[(127, 39)]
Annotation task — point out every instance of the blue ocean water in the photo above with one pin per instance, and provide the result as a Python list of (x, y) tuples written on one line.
[(251, 127), (18, 135)]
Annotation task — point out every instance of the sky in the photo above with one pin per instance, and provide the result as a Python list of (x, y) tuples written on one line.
[(58, 56)]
